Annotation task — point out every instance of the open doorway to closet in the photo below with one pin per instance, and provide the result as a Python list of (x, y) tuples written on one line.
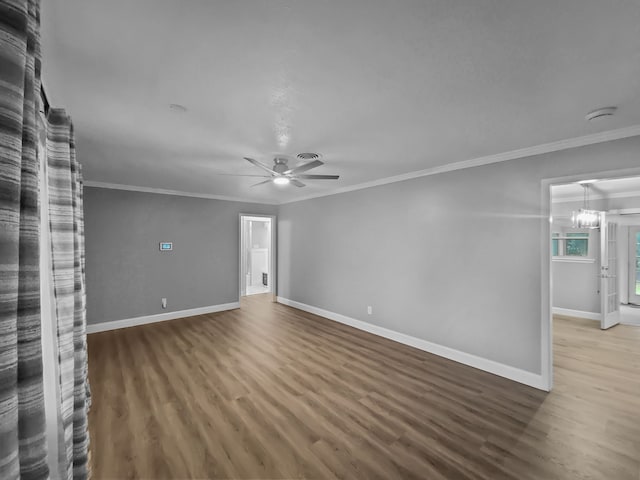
[(257, 258)]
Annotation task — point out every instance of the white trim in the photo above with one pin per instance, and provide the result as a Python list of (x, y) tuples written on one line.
[(601, 137), (512, 373), (624, 211), (162, 191), (273, 252), (160, 317), (257, 218), (576, 313), (546, 290), (603, 196), (566, 259)]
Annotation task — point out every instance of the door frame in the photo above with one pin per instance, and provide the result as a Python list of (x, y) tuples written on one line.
[(273, 261), (631, 260), (546, 321)]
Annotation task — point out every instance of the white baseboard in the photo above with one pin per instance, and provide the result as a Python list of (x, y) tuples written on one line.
[(576, 313), (160, 317), (518, 375)]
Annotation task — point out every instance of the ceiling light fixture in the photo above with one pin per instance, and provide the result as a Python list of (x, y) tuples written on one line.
[(585, 217), (281, 181), (601, 113)]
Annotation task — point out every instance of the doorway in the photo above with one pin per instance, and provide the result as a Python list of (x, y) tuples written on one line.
[(630, 310), (634, 265), (257, 255), (591, 270)]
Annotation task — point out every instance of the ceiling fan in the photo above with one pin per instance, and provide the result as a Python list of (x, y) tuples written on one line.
[(281, 174)]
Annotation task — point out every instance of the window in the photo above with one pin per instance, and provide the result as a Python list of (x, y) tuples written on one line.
[(555, 244), (570, 245)]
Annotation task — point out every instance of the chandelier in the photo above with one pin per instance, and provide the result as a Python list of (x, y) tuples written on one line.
[(585, 217)]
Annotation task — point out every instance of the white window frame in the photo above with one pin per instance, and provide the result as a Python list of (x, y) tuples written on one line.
[(562, 233)]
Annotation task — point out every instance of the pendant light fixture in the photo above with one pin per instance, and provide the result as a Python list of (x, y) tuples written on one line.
[(585, 217)]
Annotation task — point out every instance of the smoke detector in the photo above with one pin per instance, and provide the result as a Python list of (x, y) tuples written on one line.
[(601, 113)]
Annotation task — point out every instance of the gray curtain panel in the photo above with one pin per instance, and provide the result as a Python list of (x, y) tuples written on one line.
[(22, 418), (67, 250)]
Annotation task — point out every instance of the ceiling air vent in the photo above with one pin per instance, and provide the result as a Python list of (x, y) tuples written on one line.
[(308, 156), (601, 113)]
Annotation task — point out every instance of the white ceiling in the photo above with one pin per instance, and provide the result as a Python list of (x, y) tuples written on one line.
[(380, 88), (601, 188)]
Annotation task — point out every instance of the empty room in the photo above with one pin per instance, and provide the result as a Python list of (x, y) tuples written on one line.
[(279, 239)]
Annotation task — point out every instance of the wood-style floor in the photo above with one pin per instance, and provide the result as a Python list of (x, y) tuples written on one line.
[(269, 392)]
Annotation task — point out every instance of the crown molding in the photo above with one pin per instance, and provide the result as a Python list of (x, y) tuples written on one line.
[(575, 199), (625, 211), (162, 191), (557, 146), (575, 142), (580, 198)]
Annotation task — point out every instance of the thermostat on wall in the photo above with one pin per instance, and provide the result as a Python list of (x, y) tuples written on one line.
[(166, 246)]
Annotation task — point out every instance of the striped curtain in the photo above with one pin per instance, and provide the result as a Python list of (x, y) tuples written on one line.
[(67, 249), (22, 416)]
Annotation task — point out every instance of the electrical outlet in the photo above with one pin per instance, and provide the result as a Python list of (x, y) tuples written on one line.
[(164, 303), (369, 309)]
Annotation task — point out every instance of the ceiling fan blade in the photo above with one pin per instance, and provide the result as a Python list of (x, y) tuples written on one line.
[(297, 183), (261, 183), (240, 175), (304, 168), (319, 177), (259, 164)]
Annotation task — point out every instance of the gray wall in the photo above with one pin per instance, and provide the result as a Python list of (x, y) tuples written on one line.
[(454, 258), (576, 285), (126, 273)]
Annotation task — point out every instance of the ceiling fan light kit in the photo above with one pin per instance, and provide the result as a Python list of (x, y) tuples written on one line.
[(281, 174)]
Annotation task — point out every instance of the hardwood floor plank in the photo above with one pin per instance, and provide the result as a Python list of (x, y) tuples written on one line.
[(270, 392)]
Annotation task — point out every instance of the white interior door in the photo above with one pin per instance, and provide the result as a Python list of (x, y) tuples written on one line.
[(634, 265), (609, 296)]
